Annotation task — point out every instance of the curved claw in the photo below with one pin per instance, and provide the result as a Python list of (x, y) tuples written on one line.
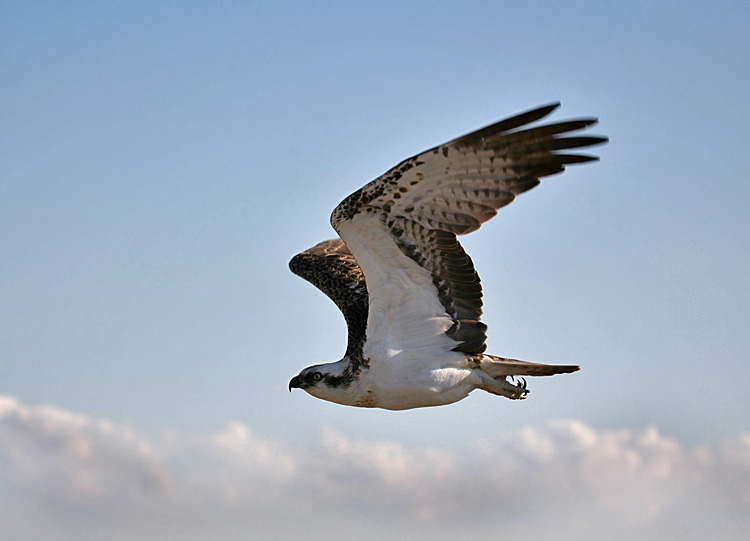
[(522, 389)]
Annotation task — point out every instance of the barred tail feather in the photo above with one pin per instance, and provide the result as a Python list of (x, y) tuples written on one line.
[(499, 366)]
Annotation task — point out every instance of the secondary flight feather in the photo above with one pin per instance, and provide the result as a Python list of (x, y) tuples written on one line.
[(408, 291)]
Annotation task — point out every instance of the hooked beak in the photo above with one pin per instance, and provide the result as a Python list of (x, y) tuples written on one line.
[(295, 383)]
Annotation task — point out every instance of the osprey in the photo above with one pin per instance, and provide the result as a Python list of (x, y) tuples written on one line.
[(408, 291)]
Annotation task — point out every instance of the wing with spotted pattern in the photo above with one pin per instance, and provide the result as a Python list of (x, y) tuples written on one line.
[(331, 267), (427, 200)]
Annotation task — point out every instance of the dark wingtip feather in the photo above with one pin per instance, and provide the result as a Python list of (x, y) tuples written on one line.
[(521, 119), (597, 139), (588, 121), (506, 125), (528, 117), (569, 159)]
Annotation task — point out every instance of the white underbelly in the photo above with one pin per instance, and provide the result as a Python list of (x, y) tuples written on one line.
[(402, 383)]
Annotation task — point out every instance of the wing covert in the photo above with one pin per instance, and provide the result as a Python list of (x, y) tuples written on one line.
[(331, 267)]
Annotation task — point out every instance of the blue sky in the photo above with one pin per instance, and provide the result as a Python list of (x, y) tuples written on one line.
[(161, 162)]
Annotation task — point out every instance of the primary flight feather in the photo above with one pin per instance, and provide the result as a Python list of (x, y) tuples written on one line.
[(409, 293)]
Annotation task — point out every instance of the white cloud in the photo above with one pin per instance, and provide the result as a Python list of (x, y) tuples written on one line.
[(68, 476)]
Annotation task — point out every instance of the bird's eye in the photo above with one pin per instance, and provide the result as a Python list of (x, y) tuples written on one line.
[(317, 376)]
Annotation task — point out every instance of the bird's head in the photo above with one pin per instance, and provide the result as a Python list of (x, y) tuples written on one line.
[(331, 381)]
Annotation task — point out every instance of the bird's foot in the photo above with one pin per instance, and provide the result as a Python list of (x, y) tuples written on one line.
[(501, 386), (518, 391)]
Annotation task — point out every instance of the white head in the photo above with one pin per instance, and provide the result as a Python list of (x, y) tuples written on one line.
[(335, 382)]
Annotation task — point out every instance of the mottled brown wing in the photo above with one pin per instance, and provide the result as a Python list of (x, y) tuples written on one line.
[(331, 267), (426, 200)]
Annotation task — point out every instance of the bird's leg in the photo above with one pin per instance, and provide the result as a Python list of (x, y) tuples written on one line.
[(500, 386)]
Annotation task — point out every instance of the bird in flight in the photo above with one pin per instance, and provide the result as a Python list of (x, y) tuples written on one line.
[(408, 291)]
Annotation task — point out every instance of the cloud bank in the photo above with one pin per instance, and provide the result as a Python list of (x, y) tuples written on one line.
[(69, 476)]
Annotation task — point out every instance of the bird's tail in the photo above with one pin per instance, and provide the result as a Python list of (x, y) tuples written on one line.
[(499, 367)]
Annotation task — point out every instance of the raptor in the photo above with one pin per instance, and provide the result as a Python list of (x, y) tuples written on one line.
[(408, 291)]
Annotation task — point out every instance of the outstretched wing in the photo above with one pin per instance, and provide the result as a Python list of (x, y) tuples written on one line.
[(331, 267), (402, 226)]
